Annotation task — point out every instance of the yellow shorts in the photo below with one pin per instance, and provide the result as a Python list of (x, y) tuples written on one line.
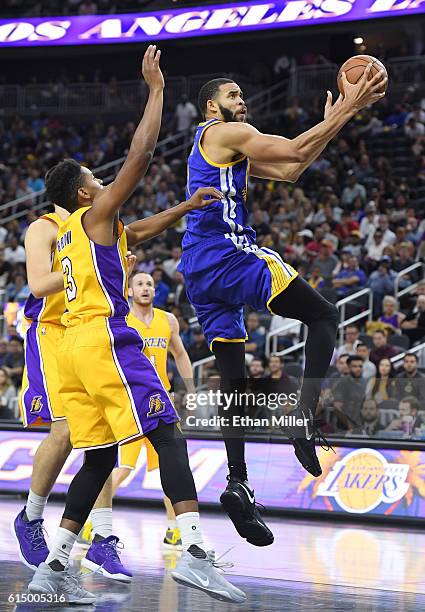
[(110, 389), (39, 399), (129, 453)]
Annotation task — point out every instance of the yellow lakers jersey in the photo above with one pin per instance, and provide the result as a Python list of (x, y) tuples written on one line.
[(157, 338), (95, 276), (51, 308)]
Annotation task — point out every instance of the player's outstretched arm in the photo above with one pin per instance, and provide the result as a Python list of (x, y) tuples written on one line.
[(142, 230), (312, 143), (40, 241), (111, 198), (176, 347)]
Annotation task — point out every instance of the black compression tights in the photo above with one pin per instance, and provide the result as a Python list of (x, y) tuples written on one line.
[(88, 483), (176, 476), (302, 302), (299, 301)]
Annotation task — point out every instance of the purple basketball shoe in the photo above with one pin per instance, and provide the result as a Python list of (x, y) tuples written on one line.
[(103, 556), (30, 537)]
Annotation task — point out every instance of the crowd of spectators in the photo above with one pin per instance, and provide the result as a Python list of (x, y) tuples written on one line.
[(354, 220)]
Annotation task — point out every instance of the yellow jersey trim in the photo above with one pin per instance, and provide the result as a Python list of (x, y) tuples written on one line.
[(218, 339), (277, 292), (208, 124)]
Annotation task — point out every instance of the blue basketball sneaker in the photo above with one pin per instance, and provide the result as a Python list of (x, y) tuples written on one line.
[(30, 537), (103, 556)]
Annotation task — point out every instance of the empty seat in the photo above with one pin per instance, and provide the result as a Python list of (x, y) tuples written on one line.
[(401, 341)]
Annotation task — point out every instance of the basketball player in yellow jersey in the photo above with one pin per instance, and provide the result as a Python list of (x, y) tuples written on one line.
[(160, 331), (39, 399), (110, 389)]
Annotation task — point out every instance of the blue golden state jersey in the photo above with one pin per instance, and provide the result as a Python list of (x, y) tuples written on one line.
[(228, 218)]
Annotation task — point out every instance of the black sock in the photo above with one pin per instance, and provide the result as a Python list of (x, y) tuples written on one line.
[(238, 470), (97, 538), (56, 565)]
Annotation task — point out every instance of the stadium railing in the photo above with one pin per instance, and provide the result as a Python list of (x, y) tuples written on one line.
[(403, 72), (399, 292), (342, 306)]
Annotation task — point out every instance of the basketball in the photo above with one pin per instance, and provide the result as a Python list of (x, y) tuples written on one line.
[(354, 68)]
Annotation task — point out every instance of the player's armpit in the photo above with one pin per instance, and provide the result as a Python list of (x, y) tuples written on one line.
[(40, 241), (245, 139)]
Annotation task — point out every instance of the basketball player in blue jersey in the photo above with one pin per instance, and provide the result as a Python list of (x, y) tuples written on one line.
[(224, 269)]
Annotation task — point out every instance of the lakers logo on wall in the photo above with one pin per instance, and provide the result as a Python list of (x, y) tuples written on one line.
[(156, 405), (363, 479), (36, 404)]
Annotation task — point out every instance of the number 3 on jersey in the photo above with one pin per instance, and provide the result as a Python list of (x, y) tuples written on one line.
[(71, 287)]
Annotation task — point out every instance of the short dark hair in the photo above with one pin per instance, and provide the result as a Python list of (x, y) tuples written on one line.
[(209, 92), (411, 355), (63, 182), (353, 358), (359, 344), (412, 401)]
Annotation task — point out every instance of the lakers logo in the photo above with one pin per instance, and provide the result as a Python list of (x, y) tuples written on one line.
[(363, 480), (156, 405), (36, 404)]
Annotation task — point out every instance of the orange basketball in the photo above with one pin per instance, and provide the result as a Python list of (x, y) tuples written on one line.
[(354, 68)]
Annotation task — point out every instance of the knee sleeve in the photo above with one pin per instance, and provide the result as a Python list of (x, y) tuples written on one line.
[(176, 476), (88, 483)]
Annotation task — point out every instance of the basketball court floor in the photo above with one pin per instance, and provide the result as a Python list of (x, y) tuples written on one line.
[(311, 566)]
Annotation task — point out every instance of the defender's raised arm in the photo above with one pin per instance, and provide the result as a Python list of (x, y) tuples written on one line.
[(108, 201)]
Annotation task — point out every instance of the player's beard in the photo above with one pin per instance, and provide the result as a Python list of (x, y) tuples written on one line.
[(227, 114)]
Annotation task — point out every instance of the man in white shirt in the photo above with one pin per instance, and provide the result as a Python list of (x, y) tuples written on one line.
[(15, 252), (370, 221), (185, 115), (369, 368)]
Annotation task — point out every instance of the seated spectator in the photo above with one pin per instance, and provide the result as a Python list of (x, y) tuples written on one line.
[(390, 315), (408, 419), (199, 348), (414, 323), (278, 380), (410, 381), (353, 190), (316, 280), (350, 279), (381, 281), (369, 368), (341, 366), (383, 386), (170, 265), (325, 261), (3, 351), (15, 252), (14, 361), (256, 337), (369, 223), (162, 290), (185, 332), (349, 394), (375, 248), (17, 290), (369, 414), (7, 396), (352, 334), (414, 129), (381, 348), (256, 369)]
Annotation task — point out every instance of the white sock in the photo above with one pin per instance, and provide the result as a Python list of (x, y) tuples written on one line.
[(190, 529), (102, 521), (171, 524), (35, 506), (62, 546)]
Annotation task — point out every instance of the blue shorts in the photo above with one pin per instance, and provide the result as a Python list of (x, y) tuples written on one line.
[(220, 279)]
